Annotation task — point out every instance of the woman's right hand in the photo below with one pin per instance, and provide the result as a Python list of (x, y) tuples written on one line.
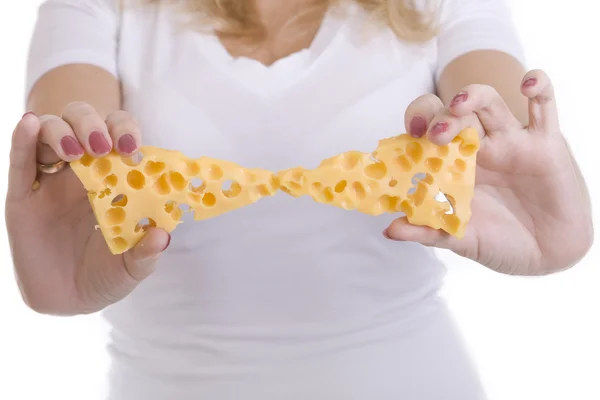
[(63, 265)]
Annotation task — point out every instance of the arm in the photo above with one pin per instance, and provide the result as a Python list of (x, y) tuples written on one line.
[(73, 57), (75, 82), (486, 67), (72, 61)]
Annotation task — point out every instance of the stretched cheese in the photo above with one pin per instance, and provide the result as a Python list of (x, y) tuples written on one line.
[(127, 196), (433, 185)]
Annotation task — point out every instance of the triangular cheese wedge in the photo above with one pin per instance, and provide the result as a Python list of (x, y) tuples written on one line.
[(127, 196), (433, 185)]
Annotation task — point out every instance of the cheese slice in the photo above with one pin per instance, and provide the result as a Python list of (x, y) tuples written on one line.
[(128, 196), (433, 185)]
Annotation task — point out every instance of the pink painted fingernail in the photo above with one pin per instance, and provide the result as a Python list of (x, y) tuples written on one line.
[(98, 143), (127, 144), (418, 127), (459, 98), (71, 146), (529, 82), (439, 128), (385, 234), (28, 113), (168, 243)]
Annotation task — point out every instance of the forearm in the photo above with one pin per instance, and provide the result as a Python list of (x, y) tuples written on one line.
[(76, 82)]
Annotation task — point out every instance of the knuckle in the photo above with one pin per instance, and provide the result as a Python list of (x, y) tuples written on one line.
[(87, 123), (51, 128), (76, 107), (427, 103), (123, 126)]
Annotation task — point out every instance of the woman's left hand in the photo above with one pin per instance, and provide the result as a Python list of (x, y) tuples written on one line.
[(531, 213)]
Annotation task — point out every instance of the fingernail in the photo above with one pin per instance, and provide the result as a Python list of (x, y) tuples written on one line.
[(439, 128), (418, 127), (127, 144), (385, 234), (529, 82), (71, 146), (459, 98), (28, 113), (168, 243), (98, 143)]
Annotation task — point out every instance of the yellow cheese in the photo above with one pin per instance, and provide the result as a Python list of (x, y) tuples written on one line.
[(387, 181), (128, 196)]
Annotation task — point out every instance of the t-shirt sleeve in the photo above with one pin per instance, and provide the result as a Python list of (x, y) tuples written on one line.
[(71, 32), (469, 25)]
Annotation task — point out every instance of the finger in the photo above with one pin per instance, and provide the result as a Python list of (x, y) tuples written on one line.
[(124, 131), (488, 105), (57, 141), (402, 230), (140, 260), (543, 113), (89, 128), (445, 126), (420, 112), (23, 167)]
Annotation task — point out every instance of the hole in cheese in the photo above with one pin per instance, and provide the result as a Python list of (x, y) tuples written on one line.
[(136, 180), (134, 160), (459, 165), (209, 200), (102, 167), (468, 149), (115, 216), (415, 151), (197, 185), (376, 171), (350, 160), (215, 172), (434, 164), (154, 167), (120, 200), (231, 189), (340, 186), (145, 224), (192, 168), (178, 182), (86, 160), (111, 180), (404, 163), (359, 190), (162, 186), (119, 244)]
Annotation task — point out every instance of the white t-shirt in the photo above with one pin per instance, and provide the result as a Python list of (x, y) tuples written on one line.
[(286, 298)]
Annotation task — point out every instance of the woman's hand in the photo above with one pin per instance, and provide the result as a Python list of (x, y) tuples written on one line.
[(531, 210), (63, 265)]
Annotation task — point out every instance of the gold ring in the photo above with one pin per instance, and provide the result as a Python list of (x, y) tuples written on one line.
[(52, 168)]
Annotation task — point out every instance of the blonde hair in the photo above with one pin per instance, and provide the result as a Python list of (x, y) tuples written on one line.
[(239, 18)]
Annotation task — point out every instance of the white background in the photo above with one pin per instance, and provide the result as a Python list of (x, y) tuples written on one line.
[(533, 339)]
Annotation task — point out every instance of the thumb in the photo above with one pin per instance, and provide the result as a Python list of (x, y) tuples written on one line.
[(110, 285), (22, 169), (140, 260), (402, 230)]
